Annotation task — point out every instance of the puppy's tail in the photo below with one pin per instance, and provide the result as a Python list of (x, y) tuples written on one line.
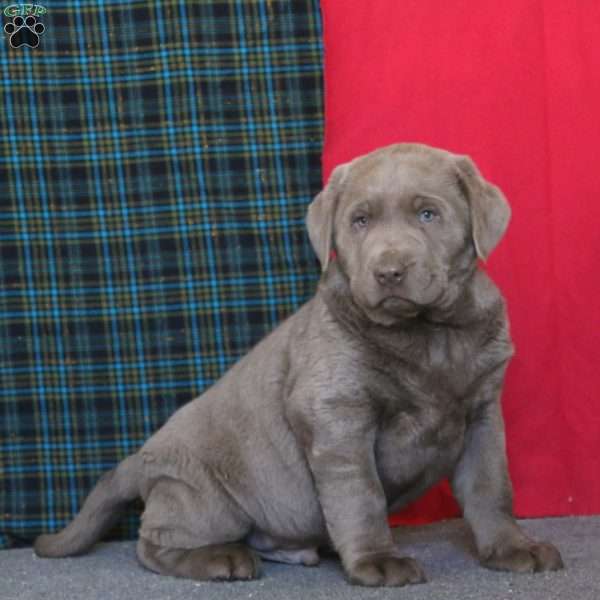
[(99, 513)]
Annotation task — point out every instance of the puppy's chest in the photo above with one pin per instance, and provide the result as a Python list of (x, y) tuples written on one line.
[(427, 370), (421, 394), (416, 448), (423, 413)]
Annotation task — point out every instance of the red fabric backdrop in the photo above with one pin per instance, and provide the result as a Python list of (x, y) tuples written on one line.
[(516, 85)]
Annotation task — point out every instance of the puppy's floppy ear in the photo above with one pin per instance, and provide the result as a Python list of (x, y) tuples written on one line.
[(490, 212), (321, 213)]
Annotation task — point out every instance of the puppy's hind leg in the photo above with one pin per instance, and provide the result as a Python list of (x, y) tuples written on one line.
[(220, 561), (195, 533)]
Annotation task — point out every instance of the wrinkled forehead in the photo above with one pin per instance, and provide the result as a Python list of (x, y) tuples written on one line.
[(402, 175)]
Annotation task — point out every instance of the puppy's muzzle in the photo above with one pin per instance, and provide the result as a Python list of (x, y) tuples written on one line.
[(390, 270)]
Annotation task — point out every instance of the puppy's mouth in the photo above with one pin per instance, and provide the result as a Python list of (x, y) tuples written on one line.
[(396, 307), (401, 300), (391, 309), (395, 303), (390, 302)]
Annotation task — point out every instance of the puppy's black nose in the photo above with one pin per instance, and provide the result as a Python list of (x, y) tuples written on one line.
[(389, 275)]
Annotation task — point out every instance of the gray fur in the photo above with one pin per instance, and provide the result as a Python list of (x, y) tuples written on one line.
[(388, 380)]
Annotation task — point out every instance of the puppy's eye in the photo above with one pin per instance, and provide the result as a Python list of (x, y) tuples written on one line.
[(427, 215), (360, 221)]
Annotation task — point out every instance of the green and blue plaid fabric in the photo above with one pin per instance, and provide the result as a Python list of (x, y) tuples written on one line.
[(156, 163)]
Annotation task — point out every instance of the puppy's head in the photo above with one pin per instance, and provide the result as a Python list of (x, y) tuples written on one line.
[(406, 221)]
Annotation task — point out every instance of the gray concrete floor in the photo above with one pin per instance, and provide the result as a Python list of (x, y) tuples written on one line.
[(111, 572)]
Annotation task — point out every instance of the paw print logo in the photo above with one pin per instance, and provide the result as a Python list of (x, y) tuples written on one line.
[(24, 31)]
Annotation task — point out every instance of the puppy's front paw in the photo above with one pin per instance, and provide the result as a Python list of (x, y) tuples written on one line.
[(531, 558), (386, 571)]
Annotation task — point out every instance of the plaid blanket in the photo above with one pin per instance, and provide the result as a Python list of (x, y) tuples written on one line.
[(155, 166)]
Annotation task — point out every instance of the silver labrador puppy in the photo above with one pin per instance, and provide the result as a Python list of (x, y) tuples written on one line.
[(388, 380)]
